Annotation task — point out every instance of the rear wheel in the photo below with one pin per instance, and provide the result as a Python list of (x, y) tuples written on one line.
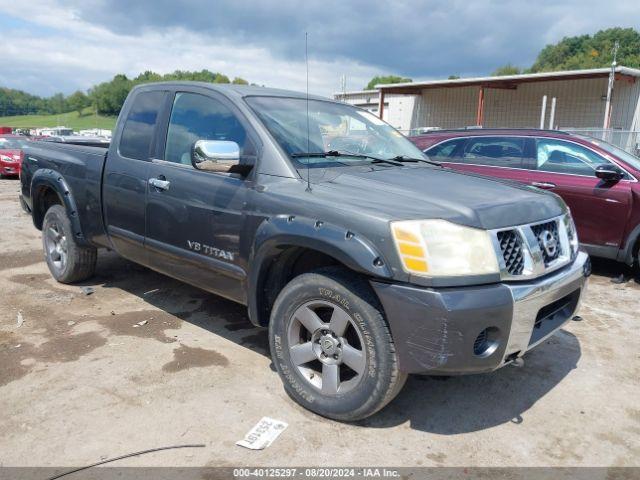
[(332, 346), (68, 262)]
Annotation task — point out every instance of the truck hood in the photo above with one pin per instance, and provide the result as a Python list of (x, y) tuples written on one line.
[(429, 193)]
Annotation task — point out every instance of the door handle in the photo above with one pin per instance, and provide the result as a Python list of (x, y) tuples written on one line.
[(159, 184), (543, 184)]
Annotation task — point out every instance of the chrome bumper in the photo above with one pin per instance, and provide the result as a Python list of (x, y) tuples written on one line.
[(435, 330), (530, 298)]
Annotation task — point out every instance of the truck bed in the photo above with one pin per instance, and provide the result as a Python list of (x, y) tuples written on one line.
[(80, 167)]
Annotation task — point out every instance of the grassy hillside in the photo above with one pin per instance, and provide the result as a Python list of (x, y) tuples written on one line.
[(72, 120)]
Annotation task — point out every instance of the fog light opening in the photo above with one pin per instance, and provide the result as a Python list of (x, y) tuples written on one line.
[(486, 342)]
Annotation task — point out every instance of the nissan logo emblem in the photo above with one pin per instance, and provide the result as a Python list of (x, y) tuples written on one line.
[(549, 243)]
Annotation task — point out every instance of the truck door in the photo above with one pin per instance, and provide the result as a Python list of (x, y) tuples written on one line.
[(124, 184), (194, 217)]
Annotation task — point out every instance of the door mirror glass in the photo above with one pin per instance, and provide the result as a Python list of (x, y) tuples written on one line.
[(215, 155), (609, 173)]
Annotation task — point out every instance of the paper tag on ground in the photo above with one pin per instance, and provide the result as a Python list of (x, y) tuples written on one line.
[(263, 434)]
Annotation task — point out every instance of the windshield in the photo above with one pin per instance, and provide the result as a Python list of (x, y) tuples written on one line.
[(618, 152), (9, 143), (333, 128)]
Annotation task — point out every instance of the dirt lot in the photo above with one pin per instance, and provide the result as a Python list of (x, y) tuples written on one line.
[(79, 382)]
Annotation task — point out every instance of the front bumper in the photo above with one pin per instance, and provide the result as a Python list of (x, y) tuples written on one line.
[(436, 331), (7, 168)]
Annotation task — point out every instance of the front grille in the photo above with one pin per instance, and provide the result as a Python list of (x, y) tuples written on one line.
[(511, 246), (548, 240)]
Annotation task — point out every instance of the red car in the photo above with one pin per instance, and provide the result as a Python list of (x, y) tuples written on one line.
[(597, 180), (11, 154)]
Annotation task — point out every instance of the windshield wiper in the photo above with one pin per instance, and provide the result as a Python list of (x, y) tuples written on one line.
[(335, 153), (402, 158)]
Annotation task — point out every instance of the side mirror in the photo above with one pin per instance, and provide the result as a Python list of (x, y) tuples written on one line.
[(609, 173), (218, 156)]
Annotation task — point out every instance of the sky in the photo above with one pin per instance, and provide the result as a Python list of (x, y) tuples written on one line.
[(51, 46)]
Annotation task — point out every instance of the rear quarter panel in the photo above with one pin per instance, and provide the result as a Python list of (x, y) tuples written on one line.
[(75, 169)]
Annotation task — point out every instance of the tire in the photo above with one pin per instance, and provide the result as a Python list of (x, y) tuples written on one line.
[(23, 205), (332, 347), (68, 262)]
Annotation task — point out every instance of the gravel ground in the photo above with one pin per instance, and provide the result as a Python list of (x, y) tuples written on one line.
[(80, 382)]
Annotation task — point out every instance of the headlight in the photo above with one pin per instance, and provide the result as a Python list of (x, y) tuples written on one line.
[(438, 248), (4, 158), (572, 233)]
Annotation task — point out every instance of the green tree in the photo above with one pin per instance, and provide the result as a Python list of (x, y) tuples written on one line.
[(240, 81), (220, 78), (507, 69), (78, 101), (386, 79), (590, 51)]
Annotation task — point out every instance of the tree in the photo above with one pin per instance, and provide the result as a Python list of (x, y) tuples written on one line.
[(220, 78), (378, 79), (507, 69), (586, 51), (240, 81), (78, 101)]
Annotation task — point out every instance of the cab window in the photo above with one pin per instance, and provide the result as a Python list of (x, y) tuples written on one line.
[(198, 117), (558, 156), (137, 133), (494, 151)]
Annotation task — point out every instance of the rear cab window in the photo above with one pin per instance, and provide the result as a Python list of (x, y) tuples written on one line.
[(139, 127)]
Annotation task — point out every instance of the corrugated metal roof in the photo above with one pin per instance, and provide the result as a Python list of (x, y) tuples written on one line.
[(521, 78)]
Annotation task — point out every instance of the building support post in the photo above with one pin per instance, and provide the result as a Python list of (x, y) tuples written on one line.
[(381, 103), (552, 115), (480, 113), (543, 113)]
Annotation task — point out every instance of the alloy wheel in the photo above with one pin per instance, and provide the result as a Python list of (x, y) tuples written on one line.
[(326, 347)]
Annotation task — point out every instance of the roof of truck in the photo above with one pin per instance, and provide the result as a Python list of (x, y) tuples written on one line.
[(239, 90)]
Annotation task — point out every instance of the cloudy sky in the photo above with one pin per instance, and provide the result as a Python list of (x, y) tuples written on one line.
[(63, 45)]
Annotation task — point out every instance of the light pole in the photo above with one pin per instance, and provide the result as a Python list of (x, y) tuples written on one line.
[(612, 75)]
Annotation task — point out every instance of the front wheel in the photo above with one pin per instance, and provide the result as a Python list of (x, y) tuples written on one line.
[(68, 262), (332, 346)]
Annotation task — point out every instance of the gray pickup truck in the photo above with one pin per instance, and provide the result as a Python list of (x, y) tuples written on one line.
[(365, 260)]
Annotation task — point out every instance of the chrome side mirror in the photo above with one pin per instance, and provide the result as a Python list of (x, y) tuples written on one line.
[(215, 155)]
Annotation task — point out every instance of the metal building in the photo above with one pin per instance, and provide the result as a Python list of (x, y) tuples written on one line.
[(569, 100)]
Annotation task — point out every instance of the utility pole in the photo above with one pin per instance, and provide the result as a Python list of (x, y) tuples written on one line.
[(612, 76)]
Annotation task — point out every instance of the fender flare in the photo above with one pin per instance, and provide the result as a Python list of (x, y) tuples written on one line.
[(626, 254), (347, 247), (50, 179)]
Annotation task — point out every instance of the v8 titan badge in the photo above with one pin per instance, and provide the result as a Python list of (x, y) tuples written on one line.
[(263, 434)]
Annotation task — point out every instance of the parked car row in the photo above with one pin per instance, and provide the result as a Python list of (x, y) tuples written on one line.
[(597, 180)]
